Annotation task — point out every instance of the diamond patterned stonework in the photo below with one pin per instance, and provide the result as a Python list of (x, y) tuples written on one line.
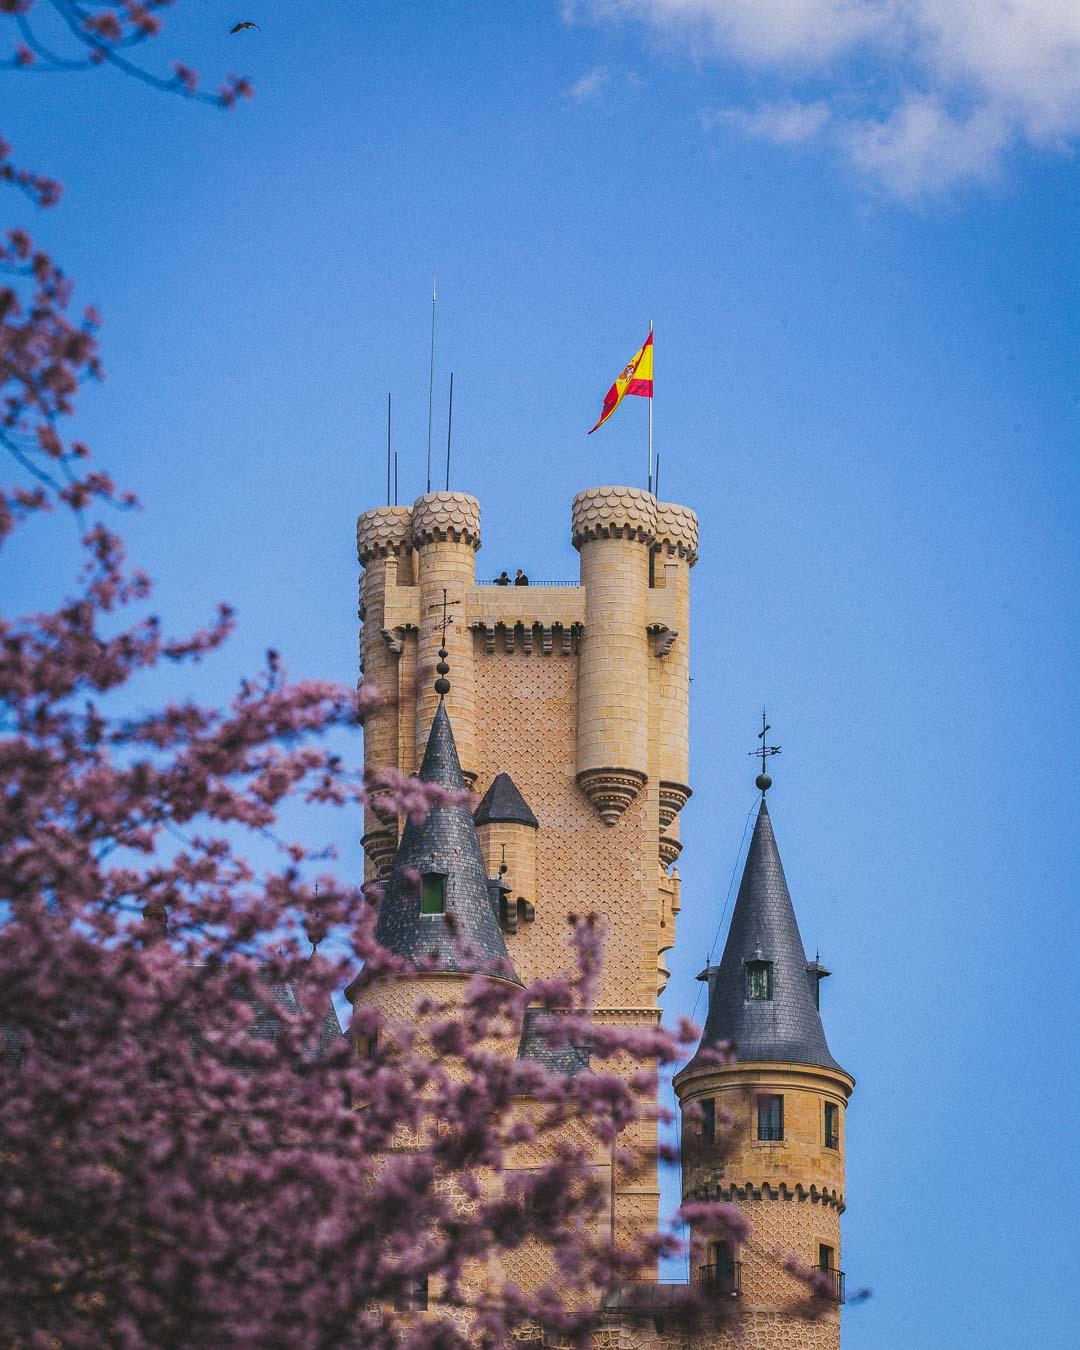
[(568, 714)]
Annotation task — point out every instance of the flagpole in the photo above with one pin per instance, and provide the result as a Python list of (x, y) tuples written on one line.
[(388, 457), (650, 410), (431, 384)]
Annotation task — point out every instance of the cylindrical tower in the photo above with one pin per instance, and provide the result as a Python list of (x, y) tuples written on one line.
[(383, 546), (613, 529), (766, 1130), (446, 535), (507, 830), (674, 553)]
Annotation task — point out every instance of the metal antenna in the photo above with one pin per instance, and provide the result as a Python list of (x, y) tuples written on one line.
[(764, 750), (388, 449), (449, 430), (431, 384), (395, 479)]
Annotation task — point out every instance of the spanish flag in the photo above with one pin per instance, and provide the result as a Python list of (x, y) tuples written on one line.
[(635, 379)]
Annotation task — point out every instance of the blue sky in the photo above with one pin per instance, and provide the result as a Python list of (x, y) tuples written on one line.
[(856, 229)]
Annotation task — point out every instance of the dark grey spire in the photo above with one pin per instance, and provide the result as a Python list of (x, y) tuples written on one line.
[(502, 802), (763, 995), (466, 935)]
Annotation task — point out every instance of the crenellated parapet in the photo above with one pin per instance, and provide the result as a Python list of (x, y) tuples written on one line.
[(676, 531), (383, 533), (441, 517), (613, 513)]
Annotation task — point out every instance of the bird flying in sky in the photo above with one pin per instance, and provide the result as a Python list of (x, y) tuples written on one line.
[(241, 26)]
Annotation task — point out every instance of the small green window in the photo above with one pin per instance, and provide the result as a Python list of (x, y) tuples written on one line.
[(433, 894), (759, 980)]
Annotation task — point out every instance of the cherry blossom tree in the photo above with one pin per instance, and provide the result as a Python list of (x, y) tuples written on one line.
[(191, 1152)]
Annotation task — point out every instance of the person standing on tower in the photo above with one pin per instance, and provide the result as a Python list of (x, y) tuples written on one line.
[(521, 579)]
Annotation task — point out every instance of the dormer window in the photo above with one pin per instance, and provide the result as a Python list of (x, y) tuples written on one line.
[(759, 980), (433, 893)]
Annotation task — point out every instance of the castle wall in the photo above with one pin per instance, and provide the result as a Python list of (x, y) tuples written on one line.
[(580, 692)]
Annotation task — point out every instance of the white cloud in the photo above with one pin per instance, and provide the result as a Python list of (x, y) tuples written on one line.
[(589, 86), (959, 81), (785, 123), (922, 148)]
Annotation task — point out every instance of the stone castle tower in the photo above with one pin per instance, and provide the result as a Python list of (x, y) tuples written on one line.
[(786, 1097), (567, 715)]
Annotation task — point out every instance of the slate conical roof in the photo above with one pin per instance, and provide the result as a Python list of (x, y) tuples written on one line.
[(502, 802), (467, 936), (786, 1027)]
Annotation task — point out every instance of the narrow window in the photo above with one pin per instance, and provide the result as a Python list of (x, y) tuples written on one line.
[(722, 1275), (759, 980), (368, 1045), (770, 1117), (723, 1258), (412, 1296), (433, 894), (832, 1125), (708, 1119), (826, 1257)]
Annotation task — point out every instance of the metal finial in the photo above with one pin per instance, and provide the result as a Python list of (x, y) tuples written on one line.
[(764, 750), (318, 915), (442, 684)]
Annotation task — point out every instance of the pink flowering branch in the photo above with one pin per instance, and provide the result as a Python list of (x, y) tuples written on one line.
[(104, 36)]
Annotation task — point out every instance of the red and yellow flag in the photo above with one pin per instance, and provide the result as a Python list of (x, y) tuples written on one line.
[(635, 379)]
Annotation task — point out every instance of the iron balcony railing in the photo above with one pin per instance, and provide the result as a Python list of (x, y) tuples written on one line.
[(832, 1141), (830, 1283), (723, 1280), (508, 585), (773, 1134)]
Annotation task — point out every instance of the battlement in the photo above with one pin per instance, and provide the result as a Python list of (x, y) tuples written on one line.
[(578, 689)]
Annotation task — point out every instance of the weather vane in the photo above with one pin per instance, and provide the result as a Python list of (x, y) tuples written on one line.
[(442, 684), (764, 750)]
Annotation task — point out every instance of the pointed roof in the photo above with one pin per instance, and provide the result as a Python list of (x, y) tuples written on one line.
[(541, 1044), (502, 802), (787, 1026), (467, 937)]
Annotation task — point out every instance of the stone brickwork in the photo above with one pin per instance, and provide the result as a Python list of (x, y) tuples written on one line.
[(515, 845), (791, 1190), (581, 694)]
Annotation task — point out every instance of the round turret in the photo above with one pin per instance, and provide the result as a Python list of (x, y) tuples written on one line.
[(383, 532), (613, 528), (384, 548), (446, 535)]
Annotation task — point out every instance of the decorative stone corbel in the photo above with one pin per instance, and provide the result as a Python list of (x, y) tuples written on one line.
[(395, 637), (663, 638)]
